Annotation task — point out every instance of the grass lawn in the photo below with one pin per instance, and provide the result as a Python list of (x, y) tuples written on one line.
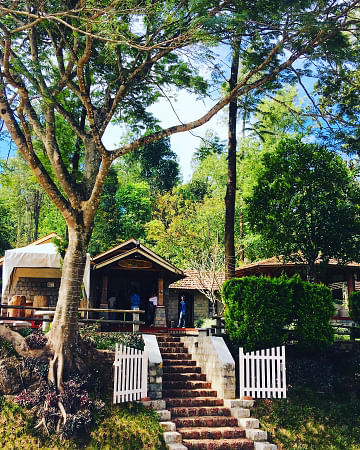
[(125, 427), (322, 411)]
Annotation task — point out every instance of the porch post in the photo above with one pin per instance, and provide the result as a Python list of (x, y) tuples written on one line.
[(160, 312), (104, 295)]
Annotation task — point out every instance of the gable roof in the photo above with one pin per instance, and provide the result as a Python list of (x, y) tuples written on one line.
[(129, 248), (194, 281)]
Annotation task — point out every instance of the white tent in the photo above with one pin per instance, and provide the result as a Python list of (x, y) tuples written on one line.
[(39, 257)]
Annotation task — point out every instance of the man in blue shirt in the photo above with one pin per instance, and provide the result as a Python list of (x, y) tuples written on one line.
[(182, 312), (135, 300)]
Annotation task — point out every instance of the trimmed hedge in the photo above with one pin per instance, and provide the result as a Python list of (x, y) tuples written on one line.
[(354, 306), (265, 312)]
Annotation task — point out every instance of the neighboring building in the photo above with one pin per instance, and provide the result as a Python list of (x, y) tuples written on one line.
[(342, 279), (193, 288), (35, 270)]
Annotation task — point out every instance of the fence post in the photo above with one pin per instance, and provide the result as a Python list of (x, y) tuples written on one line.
[(135, 318)]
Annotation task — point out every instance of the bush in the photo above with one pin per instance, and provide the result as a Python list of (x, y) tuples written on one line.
[(354, 306), (263, 312), (107, 340), (257, 311), (313, 309)]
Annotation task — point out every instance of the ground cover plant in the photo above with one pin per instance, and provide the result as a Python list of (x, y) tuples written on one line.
[(322, 410), (127, 426)]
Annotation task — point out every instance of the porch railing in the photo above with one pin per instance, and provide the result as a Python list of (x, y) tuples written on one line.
[(48, 311), (130, 374)]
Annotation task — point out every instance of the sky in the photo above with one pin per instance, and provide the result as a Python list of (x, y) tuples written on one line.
[(187, 108)]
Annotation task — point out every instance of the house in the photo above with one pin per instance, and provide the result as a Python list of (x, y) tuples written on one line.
[(342, 279), (36, 270), (196, 288)]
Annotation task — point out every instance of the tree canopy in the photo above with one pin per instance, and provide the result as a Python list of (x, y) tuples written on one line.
[(305, 204)]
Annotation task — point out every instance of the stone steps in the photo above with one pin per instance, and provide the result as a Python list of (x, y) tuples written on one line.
[(181, 369), (190, 411), (213, 433), (194, 401), (204, 421), (221, 444), (184, 377), (199, 418)]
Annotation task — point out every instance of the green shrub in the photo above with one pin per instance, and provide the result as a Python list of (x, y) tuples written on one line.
[(263, 312), (257, 311), (354, 306), (107, 340), (313, 308)]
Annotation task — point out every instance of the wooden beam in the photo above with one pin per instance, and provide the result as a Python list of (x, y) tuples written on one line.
[(104, 289), (160, 290)]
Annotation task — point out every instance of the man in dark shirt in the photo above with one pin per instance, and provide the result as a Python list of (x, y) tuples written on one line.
[(182, 312)]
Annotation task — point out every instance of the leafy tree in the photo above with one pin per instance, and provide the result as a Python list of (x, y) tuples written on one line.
[(157, 164), (5, 235), (87, 65), (304, 204)]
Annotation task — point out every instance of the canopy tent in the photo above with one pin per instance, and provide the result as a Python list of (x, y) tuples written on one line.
[(38, 257)]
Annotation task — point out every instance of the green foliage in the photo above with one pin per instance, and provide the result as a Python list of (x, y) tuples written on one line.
[(354, 306), (304, 204), (313, 308), (107, 340), (264, 312), (257, 311)]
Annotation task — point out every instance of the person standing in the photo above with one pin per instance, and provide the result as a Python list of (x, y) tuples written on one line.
[(153, 301), (112, 303), (135, 300), (182, 312)]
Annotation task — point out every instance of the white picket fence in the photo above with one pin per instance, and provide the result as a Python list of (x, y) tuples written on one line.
[(130, 374), (263, 373)]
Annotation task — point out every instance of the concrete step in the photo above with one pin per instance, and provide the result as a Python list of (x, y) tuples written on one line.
[(164, 415), (181, 369), (172, 437), (175, 362), (213, 433), (199, 411), (184, 393), (177, 356), (176, 447), (255, 434), (230, 403), (221, 444), (173, 350), (264, 446), (205, 421), (168, 426), (176, 344), (193, 401), (186, 385), (250, 423), (167, 338), (184, 377)]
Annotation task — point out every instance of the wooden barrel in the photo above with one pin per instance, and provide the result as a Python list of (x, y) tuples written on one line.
[(17, 300), (28, 312), (41, 301)]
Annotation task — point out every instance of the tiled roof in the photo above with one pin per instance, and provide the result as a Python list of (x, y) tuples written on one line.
[(278, 262), (193, 281)]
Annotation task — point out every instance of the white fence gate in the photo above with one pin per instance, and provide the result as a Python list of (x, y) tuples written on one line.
[(130, 374), (263, 373)]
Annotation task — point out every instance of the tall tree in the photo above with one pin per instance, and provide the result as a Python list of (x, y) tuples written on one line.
[(84, 66), (304, 205)]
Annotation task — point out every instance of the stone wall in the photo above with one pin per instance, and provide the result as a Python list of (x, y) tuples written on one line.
[(201, 305), (214, 358), (155, 367), (37, 286)]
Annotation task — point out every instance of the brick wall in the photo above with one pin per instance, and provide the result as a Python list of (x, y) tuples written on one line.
[(37, 286)]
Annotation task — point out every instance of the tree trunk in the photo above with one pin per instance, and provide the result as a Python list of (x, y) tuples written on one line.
[(63, 336), (230, 196), (310, 272)]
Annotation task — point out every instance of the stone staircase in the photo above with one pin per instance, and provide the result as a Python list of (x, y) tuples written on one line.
[(201, 418)]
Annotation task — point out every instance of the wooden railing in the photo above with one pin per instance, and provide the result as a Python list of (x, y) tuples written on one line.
[(47, 311)]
